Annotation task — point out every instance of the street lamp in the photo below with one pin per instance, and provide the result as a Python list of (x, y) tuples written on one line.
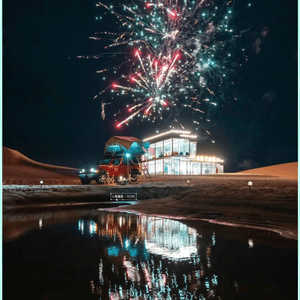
[(250, 183)]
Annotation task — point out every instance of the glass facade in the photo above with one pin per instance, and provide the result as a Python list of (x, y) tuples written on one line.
[(177, 156), (151, 152), (176, 166), (159, 150), (151, 167), (167, 166), (168, 147), (196, 168), (175, 146), (159, 166), (193, 149), (184, 147), (208, 168), (182, 167)]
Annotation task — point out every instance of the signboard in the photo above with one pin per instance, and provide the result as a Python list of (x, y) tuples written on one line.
[(123, 196)]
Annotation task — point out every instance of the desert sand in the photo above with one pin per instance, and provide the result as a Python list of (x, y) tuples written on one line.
[(289, 170), (19, 169), (223, 198)]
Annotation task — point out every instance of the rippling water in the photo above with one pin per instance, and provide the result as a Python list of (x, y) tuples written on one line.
[(91, 254)]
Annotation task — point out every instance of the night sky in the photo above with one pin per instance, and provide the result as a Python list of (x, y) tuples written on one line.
[(51, 116)]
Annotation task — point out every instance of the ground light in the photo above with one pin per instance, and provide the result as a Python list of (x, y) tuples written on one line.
[(250, 183), (41, 183)]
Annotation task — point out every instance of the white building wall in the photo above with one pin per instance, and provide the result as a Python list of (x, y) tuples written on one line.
[(177, 156)]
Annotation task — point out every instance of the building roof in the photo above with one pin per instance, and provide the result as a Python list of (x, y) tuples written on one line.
[(173, 132)]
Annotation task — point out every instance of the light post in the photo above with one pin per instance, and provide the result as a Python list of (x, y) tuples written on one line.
[(250, 183)]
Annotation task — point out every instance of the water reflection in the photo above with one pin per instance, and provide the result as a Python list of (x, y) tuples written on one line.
[(151, 258), (77, 254)]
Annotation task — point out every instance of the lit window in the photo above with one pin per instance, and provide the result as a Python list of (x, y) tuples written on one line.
[(151, 151), (193, 147), (159, 150), (167, 166), (151, 167), (183, 167), (175, 147), (159, 166), (168, 147)]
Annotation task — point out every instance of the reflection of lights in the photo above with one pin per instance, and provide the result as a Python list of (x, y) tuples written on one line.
[(133, 252), (163, 280), (132, 271), (93, 227), (179, 253), (213, 239), (214, 280), (207, 285), (171, 239), (81, 226), (127, 244), (113, 251), (145, 275), (251, 244), (101, 279), (40, 223), (121, 221)]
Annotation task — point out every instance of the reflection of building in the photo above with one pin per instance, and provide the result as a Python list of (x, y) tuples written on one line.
[(175, 153), (150, 258), (171, 239)]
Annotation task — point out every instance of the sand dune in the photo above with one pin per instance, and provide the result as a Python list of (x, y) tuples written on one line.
[(19, 169), (288, 170)]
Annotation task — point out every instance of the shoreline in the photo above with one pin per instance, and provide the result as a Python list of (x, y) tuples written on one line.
[(272, 202), (282, 232)]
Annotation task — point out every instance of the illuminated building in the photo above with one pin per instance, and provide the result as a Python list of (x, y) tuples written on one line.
[(175, 153)]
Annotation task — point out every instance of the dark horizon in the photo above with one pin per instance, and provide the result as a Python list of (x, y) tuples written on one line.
[(50, 114)]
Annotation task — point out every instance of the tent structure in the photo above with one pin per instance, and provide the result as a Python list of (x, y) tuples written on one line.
[(119, 145)]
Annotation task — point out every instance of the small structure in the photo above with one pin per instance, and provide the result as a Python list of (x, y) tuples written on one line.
[(121, 162), (120, 145), (175, 153)]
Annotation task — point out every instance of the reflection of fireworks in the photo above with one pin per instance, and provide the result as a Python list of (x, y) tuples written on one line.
[(199, 30)]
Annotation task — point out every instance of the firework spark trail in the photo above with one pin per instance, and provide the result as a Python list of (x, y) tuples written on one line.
[(132, 115), (199, 30), (153, 85)]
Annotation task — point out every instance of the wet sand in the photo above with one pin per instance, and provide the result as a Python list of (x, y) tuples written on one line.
[(271, 203)]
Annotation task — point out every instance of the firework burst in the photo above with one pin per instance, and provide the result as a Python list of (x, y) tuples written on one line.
[(182, 58), (153, 83)]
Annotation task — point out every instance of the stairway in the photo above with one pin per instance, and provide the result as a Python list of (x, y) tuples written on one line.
[(145, 170)]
